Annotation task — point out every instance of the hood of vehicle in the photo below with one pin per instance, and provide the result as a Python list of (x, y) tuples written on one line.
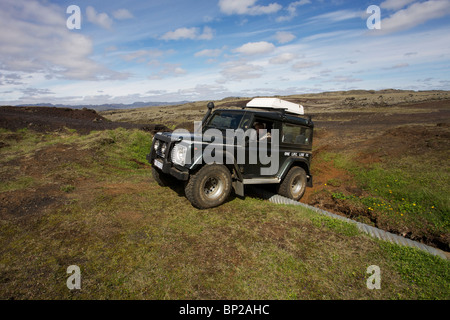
[(186, 137)]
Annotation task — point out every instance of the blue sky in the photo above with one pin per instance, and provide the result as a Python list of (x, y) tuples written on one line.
[(173, 50)]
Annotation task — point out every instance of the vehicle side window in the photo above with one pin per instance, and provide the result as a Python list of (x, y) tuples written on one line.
[(263, 129), (295, 134)]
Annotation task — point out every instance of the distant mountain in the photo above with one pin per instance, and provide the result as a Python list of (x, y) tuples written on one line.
[(106, 106)]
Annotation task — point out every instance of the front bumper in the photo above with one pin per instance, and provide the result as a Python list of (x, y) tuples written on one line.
[(168, 168), (163, 163)]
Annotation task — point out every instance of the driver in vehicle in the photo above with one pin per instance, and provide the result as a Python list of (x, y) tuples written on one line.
[(262, 133)]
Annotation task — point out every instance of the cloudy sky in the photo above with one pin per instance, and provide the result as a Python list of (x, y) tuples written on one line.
[(173, 50)]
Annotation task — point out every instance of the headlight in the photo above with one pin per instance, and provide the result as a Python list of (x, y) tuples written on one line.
[(179, 154), (156, 145), (163, 148)]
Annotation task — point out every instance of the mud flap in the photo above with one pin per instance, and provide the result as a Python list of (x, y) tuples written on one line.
[(309, 181), (238, 188)]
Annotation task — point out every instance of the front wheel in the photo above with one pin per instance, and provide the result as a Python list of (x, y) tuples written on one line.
[(293, 185), (209, 187)]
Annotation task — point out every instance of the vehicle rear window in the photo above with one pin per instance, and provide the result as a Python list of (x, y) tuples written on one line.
[(295, 134)]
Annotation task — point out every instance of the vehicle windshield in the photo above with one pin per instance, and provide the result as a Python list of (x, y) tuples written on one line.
[(225, 120)]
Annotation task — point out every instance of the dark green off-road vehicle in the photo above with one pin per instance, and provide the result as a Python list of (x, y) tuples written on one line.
[(269, 141)]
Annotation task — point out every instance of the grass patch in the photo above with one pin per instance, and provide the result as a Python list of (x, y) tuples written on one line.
[(17, 184), (406, 192), (336, 225), (125, 149), (67, 188), (334, 182), (135, 240), (424, 275)]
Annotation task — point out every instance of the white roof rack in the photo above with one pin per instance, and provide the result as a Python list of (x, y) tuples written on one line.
[(275, 103)]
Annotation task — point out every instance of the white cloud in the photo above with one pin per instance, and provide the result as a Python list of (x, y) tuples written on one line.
[(345, 79), (247, 7), (207, 34), (292, 10), (156, 92), (209, 53), (397, 66), (414, 15), (253, 48), (395, 4), (178, 71), (168, 70), (339, 15), (240, 70), (284, 37), (100, 19), (329, 35), (189, 33), (144, 56), (10, 79), (283, 58), (204, 90), (305, 65), (35, 92), (181, 33), (122, 14), (35, 40)]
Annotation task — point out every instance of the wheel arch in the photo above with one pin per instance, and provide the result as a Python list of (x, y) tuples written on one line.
[(295, 162), (229, 162)]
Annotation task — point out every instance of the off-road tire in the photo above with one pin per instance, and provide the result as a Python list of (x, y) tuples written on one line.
[(163, 179), (209, 187), (293, 185)]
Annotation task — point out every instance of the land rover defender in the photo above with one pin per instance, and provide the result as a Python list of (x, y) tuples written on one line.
[(269, 141)]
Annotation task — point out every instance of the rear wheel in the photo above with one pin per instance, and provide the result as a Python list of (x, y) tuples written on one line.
[(209, 187), (293, 185)]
